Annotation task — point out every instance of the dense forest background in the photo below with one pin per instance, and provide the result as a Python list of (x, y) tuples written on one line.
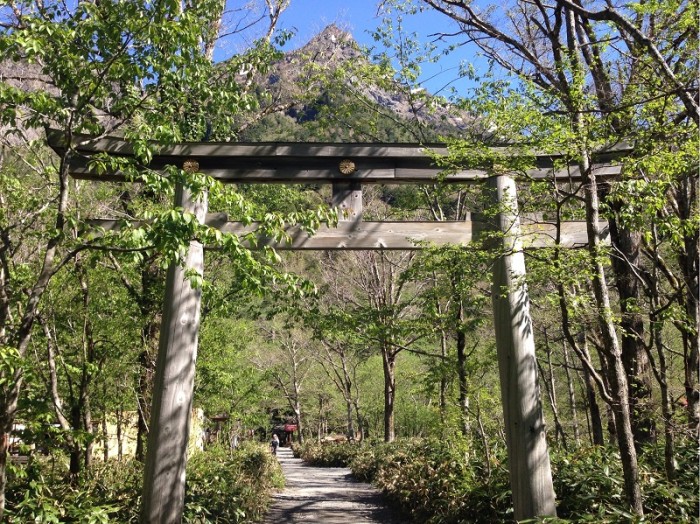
[(375, 345)]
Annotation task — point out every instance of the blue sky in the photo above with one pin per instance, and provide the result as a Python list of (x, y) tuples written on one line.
[(309, 17)]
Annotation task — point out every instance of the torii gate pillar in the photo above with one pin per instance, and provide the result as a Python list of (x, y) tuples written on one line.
[(166, 457), (528, 457)]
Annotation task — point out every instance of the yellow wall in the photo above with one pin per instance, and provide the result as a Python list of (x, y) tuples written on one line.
[(129, 426)]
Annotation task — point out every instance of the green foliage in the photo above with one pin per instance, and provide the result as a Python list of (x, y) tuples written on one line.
[(222, 487), (445, 481), (145, 66), (679, 497), (221, 387), (107, 493), (641, 203), (436, 481), (125, 56), (590, 487), (328, 454), (231, 487)]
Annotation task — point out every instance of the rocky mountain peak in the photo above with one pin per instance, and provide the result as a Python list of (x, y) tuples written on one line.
[(330, 44), (305, 81), (331, 35)]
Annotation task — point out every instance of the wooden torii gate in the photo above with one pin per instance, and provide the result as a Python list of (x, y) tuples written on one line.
[(347, 167)]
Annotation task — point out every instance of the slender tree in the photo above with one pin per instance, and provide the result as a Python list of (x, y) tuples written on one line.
[(554, 47), (89, 70)]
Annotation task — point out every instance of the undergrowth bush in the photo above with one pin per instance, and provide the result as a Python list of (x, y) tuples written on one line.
[(40, 492), (445, 481), (227, 488), (590, 487), (327, 454), (437, 481), (222, 487), (369, 460)]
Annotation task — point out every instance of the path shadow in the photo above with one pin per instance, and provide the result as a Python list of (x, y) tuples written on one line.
[(326, 496)]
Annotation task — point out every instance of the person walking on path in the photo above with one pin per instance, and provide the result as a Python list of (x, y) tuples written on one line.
[(274, 444)]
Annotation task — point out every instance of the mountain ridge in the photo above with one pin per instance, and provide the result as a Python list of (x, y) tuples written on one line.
[(331, 75)]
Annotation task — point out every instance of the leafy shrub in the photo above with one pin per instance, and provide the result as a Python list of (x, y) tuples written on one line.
[(222, 487), (590, 486), (327, 454), (588, 483), (677, 500), (108, 492), (231, 487), (436, 481), (368, 461)]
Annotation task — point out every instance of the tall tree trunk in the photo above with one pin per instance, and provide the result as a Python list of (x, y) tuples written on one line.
[(619, 389), (670, 464), (296, 405), (120, 437), (4, 446), (548, 381), (484, 438), (580, 346), (321, 426), (300, 426), (660, 367), (462, 376), (9, 394), (443, 381), (90, 361), (348, 384), (342, 373), (361, 426), (593, 408), (105, 436), (351, 419), (149, 307), (572, 394), (689, 261), (605, 369), (89, 430), (144, 392), (626, 244), (75, 463), (389, 365), (625, 258), (81, 421), (103, 422), (442, 394), (617, 373), (78, 418)]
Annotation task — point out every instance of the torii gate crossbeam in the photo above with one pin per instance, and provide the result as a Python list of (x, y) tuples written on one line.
[(347, 167)]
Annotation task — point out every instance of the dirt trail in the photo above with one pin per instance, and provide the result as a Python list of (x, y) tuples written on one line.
[(325, 496)]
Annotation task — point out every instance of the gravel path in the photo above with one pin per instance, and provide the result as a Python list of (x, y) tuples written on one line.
[(325, 496)]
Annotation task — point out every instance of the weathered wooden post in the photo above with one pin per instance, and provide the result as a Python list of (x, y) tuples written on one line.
[(166, 456), (528, 456)]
